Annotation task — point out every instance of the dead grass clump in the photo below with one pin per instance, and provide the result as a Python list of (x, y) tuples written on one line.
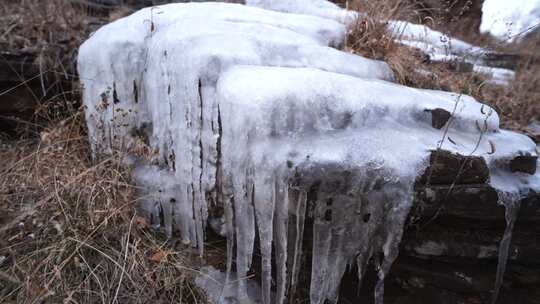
[(369, 37), (35, 24), (51, 31), (518, 104), (69, 232), (38, 47)]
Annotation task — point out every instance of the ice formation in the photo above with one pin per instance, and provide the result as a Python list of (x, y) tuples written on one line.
[(510, 20), (498, 76), (253, 112), (320, 8), (219, 291), (443, 48), (432, 42)]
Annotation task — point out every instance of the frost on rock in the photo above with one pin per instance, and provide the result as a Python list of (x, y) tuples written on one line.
[(253, 113)]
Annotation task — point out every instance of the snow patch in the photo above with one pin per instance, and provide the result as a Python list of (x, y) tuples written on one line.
[(497, 76), (432, 42), (510, 20), (320, 8)]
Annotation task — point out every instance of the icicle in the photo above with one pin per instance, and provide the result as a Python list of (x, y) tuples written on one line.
[(167, 212), (400, 200), (264, 202), (322, 247), (245, 232), (385, 266), (198, 199), (281, 219), (512, 204), (300, 213), (199, 196), (361, 262), (190, 205), (226, 198), (181, 218)]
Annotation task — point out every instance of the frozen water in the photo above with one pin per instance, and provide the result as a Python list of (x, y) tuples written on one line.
[(443, 48), (512, 203), (219, 291), (253, 112), (320, 8), (510, 20), (498, 76), (432, 42)]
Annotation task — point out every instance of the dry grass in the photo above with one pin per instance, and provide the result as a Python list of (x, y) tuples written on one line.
[(50, 29), (69, 232), (34, 24)]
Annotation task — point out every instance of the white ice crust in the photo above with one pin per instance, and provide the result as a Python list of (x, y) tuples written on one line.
[(431, 41), (510, 20), (320, 8), (437, 45), (237, 102)]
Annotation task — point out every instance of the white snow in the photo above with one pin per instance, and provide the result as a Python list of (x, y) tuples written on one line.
[(238, 102), (430, 41), (510, 20), (498, 76), (320, 8)]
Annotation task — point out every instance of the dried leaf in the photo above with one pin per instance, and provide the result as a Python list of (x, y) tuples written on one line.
[(159, 256), (140, 222)]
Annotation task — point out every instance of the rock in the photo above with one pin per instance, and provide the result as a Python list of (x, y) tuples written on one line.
[(20, 88), (501, 60), (459, 18), (439, 117), (450, 168), (524, 163)]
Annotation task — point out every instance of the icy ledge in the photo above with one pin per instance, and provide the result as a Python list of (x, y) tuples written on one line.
[(438, 46), (251, 116)]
